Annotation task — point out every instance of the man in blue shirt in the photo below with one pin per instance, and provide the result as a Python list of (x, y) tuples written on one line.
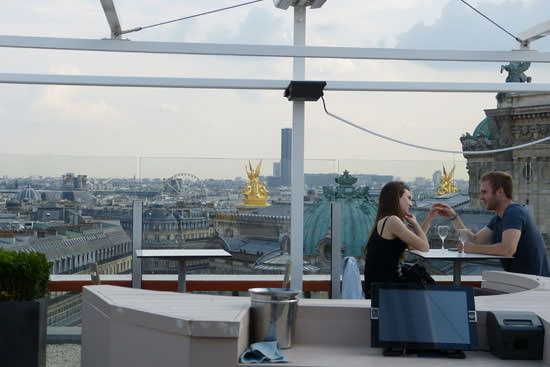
[(511, 232)]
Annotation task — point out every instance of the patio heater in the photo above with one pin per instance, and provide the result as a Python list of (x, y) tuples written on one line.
[(297, 158)]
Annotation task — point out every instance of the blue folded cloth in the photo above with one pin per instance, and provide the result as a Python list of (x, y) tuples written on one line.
[(263, 352)]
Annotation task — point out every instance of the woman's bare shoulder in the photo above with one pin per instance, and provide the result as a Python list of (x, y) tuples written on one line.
[(392, 219)]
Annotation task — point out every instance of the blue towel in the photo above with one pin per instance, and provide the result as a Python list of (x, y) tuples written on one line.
[(263, 352)]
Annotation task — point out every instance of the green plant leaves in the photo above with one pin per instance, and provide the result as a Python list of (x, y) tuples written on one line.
[(23, 276)]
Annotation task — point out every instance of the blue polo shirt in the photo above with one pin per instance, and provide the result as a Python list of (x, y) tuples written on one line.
[(530, 256)]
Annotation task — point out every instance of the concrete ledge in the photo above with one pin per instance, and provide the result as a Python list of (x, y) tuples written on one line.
[(333, 322), (134, 327)]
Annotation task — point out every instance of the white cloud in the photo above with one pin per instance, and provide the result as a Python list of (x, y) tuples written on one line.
[(459, 27), (224, 123), (169, 107), (62, 103)]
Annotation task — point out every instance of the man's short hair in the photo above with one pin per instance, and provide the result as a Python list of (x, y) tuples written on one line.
[(499, 179)]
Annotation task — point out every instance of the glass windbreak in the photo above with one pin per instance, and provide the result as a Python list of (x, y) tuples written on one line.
[(79, 210), (72, 209), (239, 205)]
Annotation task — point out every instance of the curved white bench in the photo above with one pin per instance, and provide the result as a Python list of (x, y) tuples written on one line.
[(512, 282)]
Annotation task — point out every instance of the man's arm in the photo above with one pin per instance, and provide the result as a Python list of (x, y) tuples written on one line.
[(432, 213), (446, 211), (506, 247), (482, 237)]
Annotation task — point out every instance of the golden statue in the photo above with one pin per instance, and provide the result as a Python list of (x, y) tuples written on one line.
[(255, 193), (446, 184)]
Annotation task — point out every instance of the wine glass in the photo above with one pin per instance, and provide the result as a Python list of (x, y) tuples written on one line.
[(463, 236), (443, 232)]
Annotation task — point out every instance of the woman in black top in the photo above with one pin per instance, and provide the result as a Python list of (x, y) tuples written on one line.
[(390, 236)]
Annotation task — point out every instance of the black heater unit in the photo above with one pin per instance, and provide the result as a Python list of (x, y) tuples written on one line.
[(304, 90)]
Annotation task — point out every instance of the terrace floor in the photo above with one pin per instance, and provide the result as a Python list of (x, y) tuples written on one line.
[(63, 355)]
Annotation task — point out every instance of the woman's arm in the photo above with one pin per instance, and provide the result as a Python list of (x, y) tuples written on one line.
[(415, 239)]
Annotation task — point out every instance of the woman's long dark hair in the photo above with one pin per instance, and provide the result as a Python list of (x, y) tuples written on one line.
[(388, 204)]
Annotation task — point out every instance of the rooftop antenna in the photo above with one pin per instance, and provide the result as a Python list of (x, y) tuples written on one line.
[(534, 33)]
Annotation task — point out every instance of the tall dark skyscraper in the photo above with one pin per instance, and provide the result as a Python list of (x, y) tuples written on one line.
[(286, 154)]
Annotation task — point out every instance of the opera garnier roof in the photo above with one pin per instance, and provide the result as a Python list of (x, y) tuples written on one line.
[(358, 212)]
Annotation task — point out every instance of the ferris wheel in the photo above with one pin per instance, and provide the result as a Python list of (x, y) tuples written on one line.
[(185, 186)]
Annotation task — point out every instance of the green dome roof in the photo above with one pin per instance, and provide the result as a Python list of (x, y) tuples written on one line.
[(358, 212), (482, 128)]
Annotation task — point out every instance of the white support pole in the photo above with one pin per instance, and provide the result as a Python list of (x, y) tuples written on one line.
[(297, 159)]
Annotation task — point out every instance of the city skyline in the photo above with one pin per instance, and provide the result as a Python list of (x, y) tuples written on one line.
[(20, 166), (128, 122)]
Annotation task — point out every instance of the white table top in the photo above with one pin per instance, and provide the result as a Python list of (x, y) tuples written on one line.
[(455, 255), (182, 253)]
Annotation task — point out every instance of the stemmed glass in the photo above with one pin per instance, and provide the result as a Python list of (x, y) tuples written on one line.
[(462, 237), (443, 232)]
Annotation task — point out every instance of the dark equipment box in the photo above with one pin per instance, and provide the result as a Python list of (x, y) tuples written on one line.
[(515, 335)]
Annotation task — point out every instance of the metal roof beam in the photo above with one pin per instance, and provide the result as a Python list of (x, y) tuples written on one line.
[(265, 84), (108, 45), (112, 17)]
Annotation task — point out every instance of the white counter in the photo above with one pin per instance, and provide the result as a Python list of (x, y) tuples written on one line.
[(134, 327)]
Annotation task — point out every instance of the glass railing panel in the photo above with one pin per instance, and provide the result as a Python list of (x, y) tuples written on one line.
[(199, 203), (72, 209), (64, 309), (424, 174), (203, 205)]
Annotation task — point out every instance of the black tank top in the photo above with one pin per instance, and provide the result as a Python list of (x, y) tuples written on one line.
[(382, 258)]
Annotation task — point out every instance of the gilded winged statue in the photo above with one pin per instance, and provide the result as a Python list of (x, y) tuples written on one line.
[(255, 192), (446, 184)]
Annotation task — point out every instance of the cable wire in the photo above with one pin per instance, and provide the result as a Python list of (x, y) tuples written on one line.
[(470, 152), (492, 21), (188, 17)]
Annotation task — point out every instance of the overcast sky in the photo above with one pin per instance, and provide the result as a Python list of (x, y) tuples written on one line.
[(101, 121)]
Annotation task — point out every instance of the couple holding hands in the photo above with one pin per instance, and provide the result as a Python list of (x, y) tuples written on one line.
[(511, 232)]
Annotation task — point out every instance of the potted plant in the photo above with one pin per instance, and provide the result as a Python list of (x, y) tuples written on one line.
[(23, 310)]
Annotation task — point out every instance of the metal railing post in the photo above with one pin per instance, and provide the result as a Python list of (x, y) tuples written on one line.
[(336, 250), (137, 235)]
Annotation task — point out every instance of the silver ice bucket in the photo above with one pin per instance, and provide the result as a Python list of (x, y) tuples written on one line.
[(273, 315)]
